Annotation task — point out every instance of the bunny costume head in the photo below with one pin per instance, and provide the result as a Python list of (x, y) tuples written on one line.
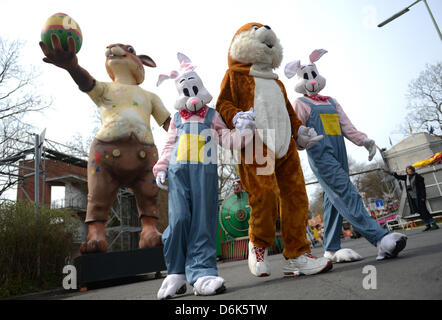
[(192, 93), (311, 82), (256, 44)]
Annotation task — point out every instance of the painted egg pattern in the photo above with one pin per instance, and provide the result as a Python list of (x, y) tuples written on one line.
[(64, 26)]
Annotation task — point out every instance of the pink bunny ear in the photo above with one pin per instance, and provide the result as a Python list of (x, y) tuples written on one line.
[(172, 75), (316, 54), (185, 62), (291, 68)]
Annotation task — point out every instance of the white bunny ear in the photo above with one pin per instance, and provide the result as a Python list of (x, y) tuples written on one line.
[(183, 58), (316, 54), (161, 78), (185, 62), (291, 68), (172, 75)]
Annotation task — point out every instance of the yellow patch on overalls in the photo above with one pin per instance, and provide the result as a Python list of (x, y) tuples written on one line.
[(189, 147), (330, 122)]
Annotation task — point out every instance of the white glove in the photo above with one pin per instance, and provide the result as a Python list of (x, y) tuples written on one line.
[(244, 120), (242, 124), (161, 180), (370, 145), (245, 114), (307, 137)]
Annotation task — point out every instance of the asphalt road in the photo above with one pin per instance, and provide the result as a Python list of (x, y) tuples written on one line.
[(415, 274)]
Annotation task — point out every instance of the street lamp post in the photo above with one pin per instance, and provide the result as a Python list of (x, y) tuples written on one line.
[(397, 15)]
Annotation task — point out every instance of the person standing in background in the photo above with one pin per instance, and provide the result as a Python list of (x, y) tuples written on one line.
[(416, 194)]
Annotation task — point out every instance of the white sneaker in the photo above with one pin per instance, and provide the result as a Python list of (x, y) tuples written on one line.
[(306, 264), (342, 255), (257, 261), (208, 285), (172, 285), (390, 245)]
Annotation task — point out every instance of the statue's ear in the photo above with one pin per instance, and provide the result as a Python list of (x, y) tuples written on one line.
[(147, 61)]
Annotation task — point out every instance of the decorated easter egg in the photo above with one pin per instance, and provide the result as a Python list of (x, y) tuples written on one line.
[(64, 26)]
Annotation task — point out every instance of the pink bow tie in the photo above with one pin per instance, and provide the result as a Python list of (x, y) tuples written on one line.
[(185, 114)]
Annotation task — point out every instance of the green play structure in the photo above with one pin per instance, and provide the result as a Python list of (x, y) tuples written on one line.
[(233, 226)]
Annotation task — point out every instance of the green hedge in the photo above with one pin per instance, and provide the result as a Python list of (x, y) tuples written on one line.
[(20, 228)]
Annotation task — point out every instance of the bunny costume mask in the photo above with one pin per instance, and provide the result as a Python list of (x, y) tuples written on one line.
[(192, 93), (250, 82), (328, 160), (312, 82), (189, 160)]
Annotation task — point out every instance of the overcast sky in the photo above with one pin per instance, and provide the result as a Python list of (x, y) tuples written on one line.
[(367, 68)]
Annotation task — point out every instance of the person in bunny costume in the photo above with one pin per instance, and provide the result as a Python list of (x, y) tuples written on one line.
[(251, 91), (189, 162), (328, 161)]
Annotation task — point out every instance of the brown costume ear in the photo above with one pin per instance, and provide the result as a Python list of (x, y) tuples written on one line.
[(147, 61)]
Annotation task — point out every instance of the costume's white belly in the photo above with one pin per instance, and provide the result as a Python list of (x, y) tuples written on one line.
[(272, 117)]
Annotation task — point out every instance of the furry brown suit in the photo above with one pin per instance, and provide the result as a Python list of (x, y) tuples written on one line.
[(249, 82)]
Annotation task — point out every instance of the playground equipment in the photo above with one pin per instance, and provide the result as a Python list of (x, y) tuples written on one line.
[(233, 226)]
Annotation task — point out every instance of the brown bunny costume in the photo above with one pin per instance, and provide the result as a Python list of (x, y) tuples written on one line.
[(249, 83)]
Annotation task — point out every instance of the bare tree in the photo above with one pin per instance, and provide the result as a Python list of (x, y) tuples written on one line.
[(316, 203), (425, 106), (79, 145), (18, 97), (374, 183), (226, 172)]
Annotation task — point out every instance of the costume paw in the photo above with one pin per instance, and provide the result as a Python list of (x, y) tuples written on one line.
[(208, 285), (307, 137), (342, 255), (250, 115), (172, 285), (161, 180), (390, 245), (245, 120), (370, 145), (243, 124)]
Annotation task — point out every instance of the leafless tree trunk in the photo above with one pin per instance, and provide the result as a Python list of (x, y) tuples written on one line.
[(18, 96)]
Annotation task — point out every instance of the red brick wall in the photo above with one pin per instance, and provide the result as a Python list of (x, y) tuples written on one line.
[(53, 169), (56, 168)]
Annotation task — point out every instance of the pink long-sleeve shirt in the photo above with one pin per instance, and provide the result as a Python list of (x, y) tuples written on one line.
[(227, 138), (348, 129)]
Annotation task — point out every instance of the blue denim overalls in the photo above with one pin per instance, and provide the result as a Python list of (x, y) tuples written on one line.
[(328, 161), (190, 239)]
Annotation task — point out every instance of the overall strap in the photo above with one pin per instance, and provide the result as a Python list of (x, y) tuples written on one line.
[(209, 117), (311, 104), (307, 101), (177, 119), (330, 100)]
